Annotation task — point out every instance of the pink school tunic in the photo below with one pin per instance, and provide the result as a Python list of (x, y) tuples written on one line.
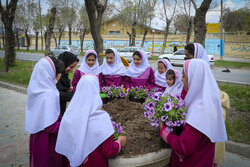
[(42, 147), (183, 93), (77, 75), (99, 157), (146, 79), (109, 80), (191, 148)]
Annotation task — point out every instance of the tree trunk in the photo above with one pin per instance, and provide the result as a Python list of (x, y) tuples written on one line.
[(37, 40), (41, 40), (3, 35), (82, 34), (55, 39), (70, 35), (165, 37), (130, 38), (96, 8), (49, 31), (133, 34), (189, 30), (10, 55), (41, 23), (17, 40), (144, 37), (7, 16), (27, 39), (60, 36), (200, 22)]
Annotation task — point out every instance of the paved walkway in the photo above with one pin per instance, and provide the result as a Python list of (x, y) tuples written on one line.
[(14, 140)]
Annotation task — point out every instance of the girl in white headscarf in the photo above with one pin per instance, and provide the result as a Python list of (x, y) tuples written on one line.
[(139, 72), (160, 75), (42, 115), (204, 120), (89, 65), (175, 85), (113, 70), (196, 51), (86, 133)]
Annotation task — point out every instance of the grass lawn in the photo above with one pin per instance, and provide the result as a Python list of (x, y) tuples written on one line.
[(19, 74), (231, 64), (237, 118)]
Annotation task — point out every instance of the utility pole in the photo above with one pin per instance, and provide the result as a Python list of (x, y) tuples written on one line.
[(221, 31)]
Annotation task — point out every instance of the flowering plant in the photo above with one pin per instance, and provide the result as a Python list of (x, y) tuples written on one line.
[(137, 92), (169, 109), (118, 130), (113, 91)]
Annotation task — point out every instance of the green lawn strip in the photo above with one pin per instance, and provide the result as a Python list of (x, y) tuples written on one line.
[(238, 130), (154, 58), (19, 74), (239, 96), (231, 64)]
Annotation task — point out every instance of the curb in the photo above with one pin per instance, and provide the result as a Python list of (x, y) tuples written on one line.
[(13, 87), (233, 83), (238, 148)]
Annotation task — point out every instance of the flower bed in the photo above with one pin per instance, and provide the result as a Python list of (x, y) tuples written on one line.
[(142, 138)]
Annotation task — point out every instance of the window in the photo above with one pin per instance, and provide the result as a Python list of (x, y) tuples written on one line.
[(114, 32)]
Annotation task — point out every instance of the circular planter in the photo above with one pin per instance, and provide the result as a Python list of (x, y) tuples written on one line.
[(156, 159)]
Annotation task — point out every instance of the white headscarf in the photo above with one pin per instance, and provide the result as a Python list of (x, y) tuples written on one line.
[(84, 68), (42, 106), (203, 101), (200, 52), (134, 71), (175, 89), (84, 126), (117, 68), (160, 79)]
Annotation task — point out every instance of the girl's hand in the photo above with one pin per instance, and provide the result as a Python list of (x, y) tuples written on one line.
[(123, 140), (70, 89)]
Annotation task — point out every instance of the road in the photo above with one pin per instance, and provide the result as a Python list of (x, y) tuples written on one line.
[(14, 140), (235, 75)]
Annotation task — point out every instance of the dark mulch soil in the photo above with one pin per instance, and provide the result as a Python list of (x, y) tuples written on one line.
[(142, 138)]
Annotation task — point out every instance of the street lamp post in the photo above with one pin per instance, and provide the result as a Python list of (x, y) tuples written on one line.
[(153, 31)]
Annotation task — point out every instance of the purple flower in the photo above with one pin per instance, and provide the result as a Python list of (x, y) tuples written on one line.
[(163, 118), (169, 100), (109, 92), (146, 114), (135, 97), (119, 128), (108, 95), (167, 106), (172, 104), (114, 124), (178, 96), (121, 94), (140, 87), (151, 105), (156, 96)]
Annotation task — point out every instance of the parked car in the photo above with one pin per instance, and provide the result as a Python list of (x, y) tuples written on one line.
[(127, 52), (177, 58), (63, 48)]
